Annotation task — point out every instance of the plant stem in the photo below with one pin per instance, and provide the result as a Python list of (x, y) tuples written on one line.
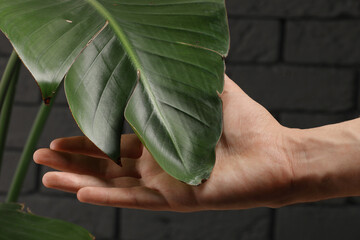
[(6, 110), (14, 60), (28, 151)]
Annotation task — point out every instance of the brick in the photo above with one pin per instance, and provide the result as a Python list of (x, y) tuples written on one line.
[(314, 223), (297, 88), (357, 85), (5, 46), (100, 221), (323, 42), (61, 96), (3, 61), (27, 91), (254, 40), (60, 124), (126, 128), (310, 120), (229, 225), (9, 164), (294, 8), (21, 121), (355, 200)]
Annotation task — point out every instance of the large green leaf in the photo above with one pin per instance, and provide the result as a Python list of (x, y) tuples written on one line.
[(98, 87), (177, 48), (15, 224), (49, 35)]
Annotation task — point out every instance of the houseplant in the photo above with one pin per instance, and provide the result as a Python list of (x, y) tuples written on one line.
[(159, 63)]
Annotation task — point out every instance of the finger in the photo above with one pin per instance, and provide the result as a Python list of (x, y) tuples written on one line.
[(81, 164), (233, 97), (131, 146), (79, 145), (134, 197), (72, 182)]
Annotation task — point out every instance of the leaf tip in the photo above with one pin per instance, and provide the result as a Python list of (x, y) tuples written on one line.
[(203, 181), (118, 162)]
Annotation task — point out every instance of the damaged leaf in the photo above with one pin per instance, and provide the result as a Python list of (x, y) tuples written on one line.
[(17, 224)]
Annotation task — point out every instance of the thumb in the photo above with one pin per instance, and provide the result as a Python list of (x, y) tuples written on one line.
[(232, 92)]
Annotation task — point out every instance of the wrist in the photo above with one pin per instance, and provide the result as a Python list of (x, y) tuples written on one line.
[(309, 174), (325, 162)]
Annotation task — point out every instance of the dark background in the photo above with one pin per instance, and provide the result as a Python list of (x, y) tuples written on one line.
[(299, 58)]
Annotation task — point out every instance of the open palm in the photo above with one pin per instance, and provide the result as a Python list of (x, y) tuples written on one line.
[(252, 167)]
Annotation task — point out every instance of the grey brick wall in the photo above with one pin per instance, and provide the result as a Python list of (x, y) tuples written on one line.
[(300, 59)]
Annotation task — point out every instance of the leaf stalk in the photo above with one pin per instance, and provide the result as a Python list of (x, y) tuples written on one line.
[(14, 60), (28, 151), (7, 109)]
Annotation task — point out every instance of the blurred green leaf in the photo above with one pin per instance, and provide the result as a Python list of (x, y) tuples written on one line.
[(16, 224)]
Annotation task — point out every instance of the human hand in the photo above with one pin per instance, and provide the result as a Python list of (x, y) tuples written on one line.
[(253, 167)]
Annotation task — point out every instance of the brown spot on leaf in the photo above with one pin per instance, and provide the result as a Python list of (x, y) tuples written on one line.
[(28, 210), (47, 100)]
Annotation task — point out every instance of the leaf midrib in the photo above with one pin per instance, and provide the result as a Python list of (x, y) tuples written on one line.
[(128, 49)]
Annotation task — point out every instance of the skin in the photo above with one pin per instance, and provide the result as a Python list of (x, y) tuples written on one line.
[(258, 163)]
